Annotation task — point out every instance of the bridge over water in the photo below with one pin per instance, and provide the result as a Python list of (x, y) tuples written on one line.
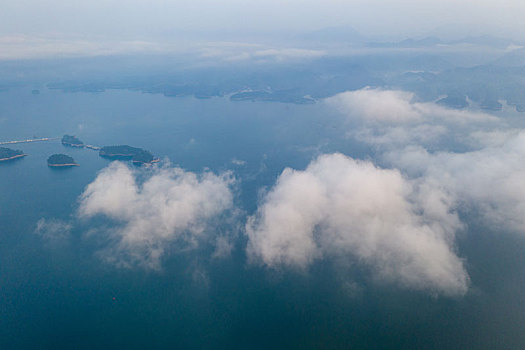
[(30, 140)]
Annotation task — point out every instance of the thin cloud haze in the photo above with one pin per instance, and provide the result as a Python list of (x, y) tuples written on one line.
[(394, 118), (138, 17)]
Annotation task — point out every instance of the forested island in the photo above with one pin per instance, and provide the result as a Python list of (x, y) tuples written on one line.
[(61, 160), (7, 154), (137, 155), (72, 141)]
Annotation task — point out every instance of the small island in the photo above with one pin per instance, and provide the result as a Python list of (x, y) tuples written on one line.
[(138, 156), (61, 160), (72, 141), (7, 154)]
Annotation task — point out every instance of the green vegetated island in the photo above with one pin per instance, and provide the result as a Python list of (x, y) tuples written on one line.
[(7, 154), (61, 160), (138, 156), (72, 141)]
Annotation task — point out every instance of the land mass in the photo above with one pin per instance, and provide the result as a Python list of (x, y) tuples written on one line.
[(137, 155), (270, 96), (72, 141), (7, 154), (61, 160)]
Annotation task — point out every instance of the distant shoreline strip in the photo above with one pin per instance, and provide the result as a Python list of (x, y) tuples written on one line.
[(13, 157), (59, 165), (30, 140)]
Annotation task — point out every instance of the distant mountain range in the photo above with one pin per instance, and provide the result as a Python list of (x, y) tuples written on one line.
[(432, 41)]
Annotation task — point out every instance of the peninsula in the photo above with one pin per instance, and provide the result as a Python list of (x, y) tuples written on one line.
[(137, 155), (7, 154), (72, 141), (61, 160)]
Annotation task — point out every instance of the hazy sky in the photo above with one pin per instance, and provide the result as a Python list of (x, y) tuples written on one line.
[(161, 18)]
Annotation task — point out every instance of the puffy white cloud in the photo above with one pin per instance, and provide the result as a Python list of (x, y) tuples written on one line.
[(341, 207), (399, 107), (489, 180), (169, 205), (464, 161), (392, 118), (377, 105)]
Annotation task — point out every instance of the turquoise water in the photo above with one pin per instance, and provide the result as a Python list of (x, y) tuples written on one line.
[(60, 295)]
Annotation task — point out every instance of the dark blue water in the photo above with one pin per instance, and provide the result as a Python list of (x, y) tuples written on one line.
[(58, 294)]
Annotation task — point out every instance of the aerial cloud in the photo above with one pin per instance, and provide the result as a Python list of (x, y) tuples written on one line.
[(234, 51), (489, 180), (53, 229), (483, 179), (434, 185), (341, 207), (168, 205), (396, 107), (392, 118)]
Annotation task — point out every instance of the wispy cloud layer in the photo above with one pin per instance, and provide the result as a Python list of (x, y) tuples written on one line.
[(50, 46), (399, 107), (392, 118), (53, 230)]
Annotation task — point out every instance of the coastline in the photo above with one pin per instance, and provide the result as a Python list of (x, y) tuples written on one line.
[(156, 160), (63, 165), (115, 155), (73, 145), (13, 157)]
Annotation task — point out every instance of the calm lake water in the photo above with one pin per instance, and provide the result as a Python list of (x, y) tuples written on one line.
[(58, 294)]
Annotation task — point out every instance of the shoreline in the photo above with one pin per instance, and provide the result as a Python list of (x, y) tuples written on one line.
[(115, 155), (73, 145), (13, 157), (62, 165), (156, 160)]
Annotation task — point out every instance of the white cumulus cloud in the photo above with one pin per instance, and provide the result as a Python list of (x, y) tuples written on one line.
[(168, 205), (392, 118), (489, 180), (341, 207)]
